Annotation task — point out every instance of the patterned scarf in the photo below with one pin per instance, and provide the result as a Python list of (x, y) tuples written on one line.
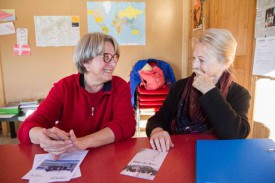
[(190, 115)]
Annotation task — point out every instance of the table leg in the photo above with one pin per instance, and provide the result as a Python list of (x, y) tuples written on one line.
[(12, 130), (5, 129)]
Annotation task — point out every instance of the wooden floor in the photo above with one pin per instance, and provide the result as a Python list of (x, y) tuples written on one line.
[(8, 140), (5, 136)]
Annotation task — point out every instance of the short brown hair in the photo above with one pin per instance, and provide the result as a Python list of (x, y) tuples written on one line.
[(90, 46)]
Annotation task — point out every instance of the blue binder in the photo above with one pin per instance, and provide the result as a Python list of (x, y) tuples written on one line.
[(235, 161)]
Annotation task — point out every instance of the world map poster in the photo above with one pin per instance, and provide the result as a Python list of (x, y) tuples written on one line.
[(125, 21)]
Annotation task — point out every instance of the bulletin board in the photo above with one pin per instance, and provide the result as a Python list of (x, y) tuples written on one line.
[(33, 76), (264, 54)]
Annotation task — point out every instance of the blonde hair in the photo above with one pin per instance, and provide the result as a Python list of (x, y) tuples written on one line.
[(220, 42), (90, 46)]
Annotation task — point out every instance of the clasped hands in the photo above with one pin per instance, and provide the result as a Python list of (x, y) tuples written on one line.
[(57, 142)]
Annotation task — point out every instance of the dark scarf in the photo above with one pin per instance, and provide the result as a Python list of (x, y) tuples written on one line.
[(190, 115)]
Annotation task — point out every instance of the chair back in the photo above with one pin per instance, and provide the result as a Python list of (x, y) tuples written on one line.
[(145, 101), (135, 79)]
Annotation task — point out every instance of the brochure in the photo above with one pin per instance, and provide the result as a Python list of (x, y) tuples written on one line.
[(49, 170), (145, 164)]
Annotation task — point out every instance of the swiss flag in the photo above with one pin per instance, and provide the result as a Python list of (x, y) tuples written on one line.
[(21, 49)]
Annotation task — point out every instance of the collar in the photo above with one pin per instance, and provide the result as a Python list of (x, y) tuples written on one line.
[(107, 87)]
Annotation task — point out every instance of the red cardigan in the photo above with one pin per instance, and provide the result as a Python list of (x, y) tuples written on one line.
[(69, 106)]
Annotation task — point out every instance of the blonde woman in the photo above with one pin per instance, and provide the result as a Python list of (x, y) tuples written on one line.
[(208, 101)]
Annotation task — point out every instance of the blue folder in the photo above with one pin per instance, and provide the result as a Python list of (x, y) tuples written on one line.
[(235, 161)]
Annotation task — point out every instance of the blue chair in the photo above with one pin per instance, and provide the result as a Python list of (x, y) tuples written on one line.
[(147, 102)]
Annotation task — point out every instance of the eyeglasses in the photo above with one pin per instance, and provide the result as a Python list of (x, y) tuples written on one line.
[(107, 57)]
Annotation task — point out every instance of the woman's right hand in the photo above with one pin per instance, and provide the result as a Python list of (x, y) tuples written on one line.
[(57, 142), (160, 140), (52, 140)]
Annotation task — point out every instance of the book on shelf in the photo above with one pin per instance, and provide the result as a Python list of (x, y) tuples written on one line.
[(7, 115), (25, 110), (8, 112), (29, 106), (28, 103), (10, 108)]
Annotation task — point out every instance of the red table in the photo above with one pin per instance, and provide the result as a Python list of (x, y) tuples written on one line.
[(104, 164)]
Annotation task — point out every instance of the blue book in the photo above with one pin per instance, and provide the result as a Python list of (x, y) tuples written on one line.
[(235, 161)]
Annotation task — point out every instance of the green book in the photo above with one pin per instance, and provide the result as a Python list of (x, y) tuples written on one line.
[(9, 110)]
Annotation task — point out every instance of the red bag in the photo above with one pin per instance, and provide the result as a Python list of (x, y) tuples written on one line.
[(153, 79)]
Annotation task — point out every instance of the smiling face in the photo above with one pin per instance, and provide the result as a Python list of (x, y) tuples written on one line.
[(206, 61), (97, 69)]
